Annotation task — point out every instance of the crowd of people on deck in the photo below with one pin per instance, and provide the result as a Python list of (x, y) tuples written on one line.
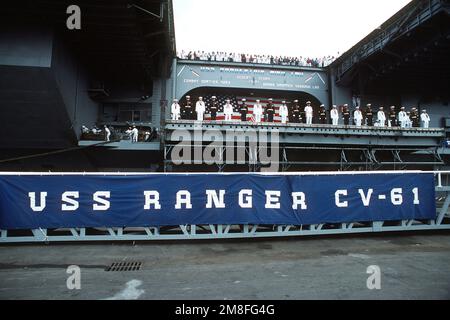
[(109, 133), (294, 113), (256, 58)]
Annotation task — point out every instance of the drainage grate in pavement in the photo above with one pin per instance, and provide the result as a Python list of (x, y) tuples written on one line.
[(125, 266)]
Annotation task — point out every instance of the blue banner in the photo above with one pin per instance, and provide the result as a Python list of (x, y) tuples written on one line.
[(54, 201)]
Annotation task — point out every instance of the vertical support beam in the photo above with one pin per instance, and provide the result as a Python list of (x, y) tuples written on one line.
[(377, 226), (439, 180), (444, 209), (174, 79)]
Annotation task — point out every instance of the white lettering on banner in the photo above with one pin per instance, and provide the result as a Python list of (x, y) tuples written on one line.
[(337, 200), (273, 199), (299, 198), (151, 198), (245, 198), (365, 198), (416, 195), (69, 197), (183, 197), (396, 196), (212, 197), (215, 199), (42, 202), (101, 203)]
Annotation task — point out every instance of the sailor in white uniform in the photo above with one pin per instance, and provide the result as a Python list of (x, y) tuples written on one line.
[(175, 110), (107, 133), (200, 108), (334, 114), (283, 111), (228, 110), (402, 117), (308, 112), (357, 116), (425, 118), (134, 134), (381, 117), (408, 122), (257, 111)]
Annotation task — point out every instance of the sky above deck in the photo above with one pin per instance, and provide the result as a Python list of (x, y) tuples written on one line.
[(313, 28)]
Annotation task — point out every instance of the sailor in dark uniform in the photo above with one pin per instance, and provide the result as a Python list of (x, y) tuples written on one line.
[(414, 116), (270, 111), (369, 115), (243, 110), (295, 113), (346, 115), (187, 109), (392, 117), (213, 107), (322, 114)]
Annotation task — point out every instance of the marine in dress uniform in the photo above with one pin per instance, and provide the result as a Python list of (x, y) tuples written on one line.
[(346, 115), (322, 114), (187, 111), (243, 110), (295, 113), (213, 107), (392, 117), (270, 111), (415, 117), (369, 115)]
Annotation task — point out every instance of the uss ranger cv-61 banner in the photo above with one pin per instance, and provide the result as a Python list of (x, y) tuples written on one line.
[(60, 200)]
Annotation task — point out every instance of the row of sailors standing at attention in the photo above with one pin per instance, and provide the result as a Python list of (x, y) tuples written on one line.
[(295, 114)]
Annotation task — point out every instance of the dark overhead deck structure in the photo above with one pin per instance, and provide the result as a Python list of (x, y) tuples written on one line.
[(123, 38), (409, 51), (54, 80)]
